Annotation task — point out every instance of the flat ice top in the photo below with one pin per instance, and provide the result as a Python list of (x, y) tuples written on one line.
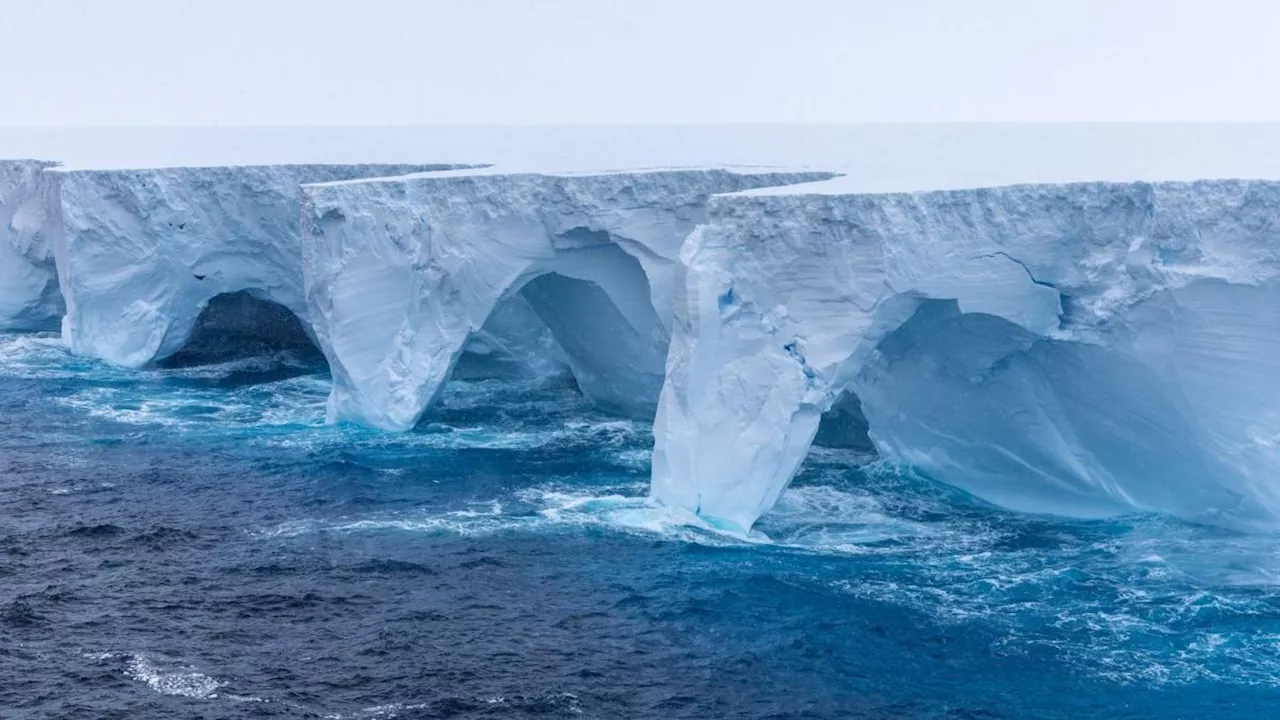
[(517, 170), (874, 158), (417, 167)]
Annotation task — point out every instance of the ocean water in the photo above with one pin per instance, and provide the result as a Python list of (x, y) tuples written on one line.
[(195, 543)]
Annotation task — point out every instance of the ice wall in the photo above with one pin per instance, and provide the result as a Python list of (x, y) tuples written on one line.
[(141, 252), (29, 297), (1079, 349), (402, 273)]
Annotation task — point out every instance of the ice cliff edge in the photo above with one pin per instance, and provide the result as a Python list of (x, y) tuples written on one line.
[(29, 296)]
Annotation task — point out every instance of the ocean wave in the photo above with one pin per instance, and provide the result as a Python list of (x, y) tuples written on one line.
[(812, 519), (1125, 601), (172, 680)]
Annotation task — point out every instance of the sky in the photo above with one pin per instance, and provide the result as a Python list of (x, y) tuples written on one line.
[(526, 62)]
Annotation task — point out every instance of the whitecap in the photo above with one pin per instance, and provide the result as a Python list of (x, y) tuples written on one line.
[(387, 711), (181, 681), (817, 519)]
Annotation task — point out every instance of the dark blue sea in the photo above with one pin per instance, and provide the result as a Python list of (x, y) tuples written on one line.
[(194, 542)]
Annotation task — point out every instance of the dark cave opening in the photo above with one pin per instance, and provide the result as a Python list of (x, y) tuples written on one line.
[(238, 325), (844, 425)]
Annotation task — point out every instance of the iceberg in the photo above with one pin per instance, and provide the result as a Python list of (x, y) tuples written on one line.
[(402, 274), (1079, 349), (1085, 349), (29, 297), (141, 252)]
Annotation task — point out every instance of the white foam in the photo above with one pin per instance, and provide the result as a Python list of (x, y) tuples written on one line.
[(39, 355), (151, 401), (386, 711), (827, 519), (481, 519), (183, 682), (814, 519), (97, 656)]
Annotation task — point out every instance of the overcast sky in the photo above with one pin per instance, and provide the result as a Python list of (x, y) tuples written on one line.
[(327, 62)]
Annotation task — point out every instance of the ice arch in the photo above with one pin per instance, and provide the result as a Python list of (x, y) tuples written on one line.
[(1079, 349), (599, 311), (140, 253), (403, 272), (1044, 425), (240, 325)]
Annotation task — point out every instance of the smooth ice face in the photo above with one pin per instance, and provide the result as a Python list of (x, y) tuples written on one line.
[(1076, 349), (29, 297), (514, 342), (141, 252), (402, 273)]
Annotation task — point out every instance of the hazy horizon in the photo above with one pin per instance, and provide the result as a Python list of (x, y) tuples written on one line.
[(874, 157), (328, 63)]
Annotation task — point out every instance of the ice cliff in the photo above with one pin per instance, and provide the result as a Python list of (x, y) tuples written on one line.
[(140, 253), (402, 273), (1081, 349), (29, 297)]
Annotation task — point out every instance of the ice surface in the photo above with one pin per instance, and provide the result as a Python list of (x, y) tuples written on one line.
[(402, 273), (1081, 349), (873, 157), (29, 298), (141, 252)]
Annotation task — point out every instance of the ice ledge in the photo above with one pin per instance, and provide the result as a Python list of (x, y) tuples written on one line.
[(496, 172), (976, 327)]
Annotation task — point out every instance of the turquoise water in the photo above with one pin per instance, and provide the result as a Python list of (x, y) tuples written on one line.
[(194, 542)]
